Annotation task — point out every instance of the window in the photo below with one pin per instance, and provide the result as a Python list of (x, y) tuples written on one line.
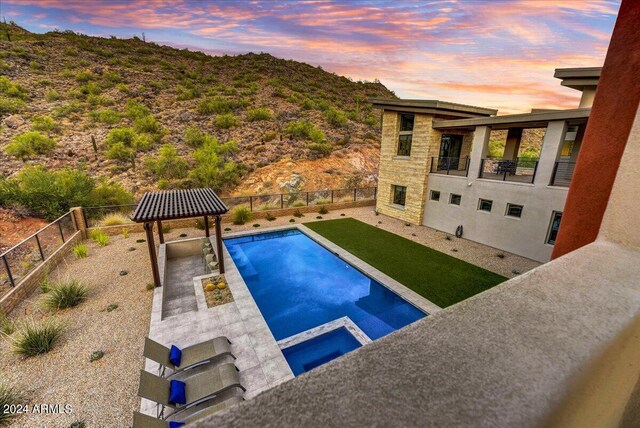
[(455, 199), (399, 194), (406, 134), (514, 210), (404, 145), (485, 205), (435, 195), (554, 227)]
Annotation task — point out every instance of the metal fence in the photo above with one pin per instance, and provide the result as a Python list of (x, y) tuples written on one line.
[(20, 260), (450, 166), (519, 170)]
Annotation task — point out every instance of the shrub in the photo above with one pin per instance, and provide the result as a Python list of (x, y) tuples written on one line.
[(258, 114), (167, 165), (125, 233), (80, 251), (11, 105), (67, 109), (298, 213), (6, 326), (270, 217), (213, 168), (147, 124), (336, 118), (114, 219), (322, 149), (52, 96), (100, 238), (65, 294), (13, 90), (135, 110), (241, 214), (226, 121), (299, 204), (37, 338), (305, 129), (323, 210), (106, 116), (194, 137), (166, 228), (199, 224), (120, 135), (85, 76), (30, 143), (217, 105), (119, 151), (9, 396), (44, 124)]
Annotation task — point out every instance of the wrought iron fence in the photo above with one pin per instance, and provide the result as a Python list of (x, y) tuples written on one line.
[(518, 170), (20, 260)]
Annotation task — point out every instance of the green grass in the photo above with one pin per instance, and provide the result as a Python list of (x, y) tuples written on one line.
[(440, 278)]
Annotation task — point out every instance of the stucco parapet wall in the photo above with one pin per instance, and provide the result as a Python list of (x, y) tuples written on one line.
[(432, 107), (523, 119), (508, 357)]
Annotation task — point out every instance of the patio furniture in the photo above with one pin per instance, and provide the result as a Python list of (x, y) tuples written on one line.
[(191, 356), (197, 388), (507, 166), (187, 415)]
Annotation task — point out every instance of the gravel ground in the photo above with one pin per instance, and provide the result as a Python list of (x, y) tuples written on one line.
[(103, 393)]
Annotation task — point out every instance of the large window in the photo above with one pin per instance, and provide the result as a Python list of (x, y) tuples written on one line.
[(406, 134), (514, 210), (399, 194), (554, 227), (485, 205), (455, 199)]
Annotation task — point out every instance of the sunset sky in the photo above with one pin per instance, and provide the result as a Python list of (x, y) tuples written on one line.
[(498, 54)]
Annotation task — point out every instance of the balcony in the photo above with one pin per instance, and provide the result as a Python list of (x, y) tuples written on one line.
[(562, 173), (450, 166), (517, 171)]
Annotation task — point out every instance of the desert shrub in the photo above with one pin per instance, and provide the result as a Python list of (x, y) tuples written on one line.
[(195, 137), (213, 167), (199, 224), (125, 233), (185, 94), (119, 151), (371, 120), (123, 88), (336, 118), (305, 129), (226, 121), (13, 90), (65, 294), (37, 338), (80, 251), (6, 326), (166, 228), (322, 149), (136, 110), (90, 88), (298, 213), (307, 104), (52, 96), (9, 396), (45, 124), (125, 136), (107, 116), (99, 237), (67, 109), (217, 105), (30, 143), (147, 124), (11, 105), (270, 217), (84, 76), (167, 165), (299, 204), (323, 210), (241, 214), (114, 219), (258, 114)]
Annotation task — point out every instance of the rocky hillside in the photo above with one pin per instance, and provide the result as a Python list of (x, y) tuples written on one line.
[(144, 115)]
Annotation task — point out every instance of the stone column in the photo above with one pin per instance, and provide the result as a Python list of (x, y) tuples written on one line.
[(479, 149), (78, 219), (512, 145), (551, 148)]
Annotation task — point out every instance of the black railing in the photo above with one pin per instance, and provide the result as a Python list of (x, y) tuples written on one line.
[(450, 166), (562, 173), (300, 199), (518, 170), (20, 260)]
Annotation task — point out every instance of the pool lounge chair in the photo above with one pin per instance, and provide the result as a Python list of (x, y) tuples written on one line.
[(198, 388), (188, 415), (192, 356)]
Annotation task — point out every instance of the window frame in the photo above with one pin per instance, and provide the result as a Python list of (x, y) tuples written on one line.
[(550, 230), (394, 189), (432, 193), (481, 200), (403, 148), (451, 196), (510, 205)]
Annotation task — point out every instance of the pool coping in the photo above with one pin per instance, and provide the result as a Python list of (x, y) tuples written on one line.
[(385, 280), (343, 322)]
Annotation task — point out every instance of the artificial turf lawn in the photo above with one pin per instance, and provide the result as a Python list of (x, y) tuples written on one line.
[(440, 278)]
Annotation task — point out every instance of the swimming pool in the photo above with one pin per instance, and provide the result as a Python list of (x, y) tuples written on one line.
[(299, 285)]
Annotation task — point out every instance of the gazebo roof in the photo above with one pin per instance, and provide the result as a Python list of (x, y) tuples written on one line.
[(175, 204)]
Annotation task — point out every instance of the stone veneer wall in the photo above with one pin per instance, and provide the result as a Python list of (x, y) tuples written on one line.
[(31, 282), (411, 171)]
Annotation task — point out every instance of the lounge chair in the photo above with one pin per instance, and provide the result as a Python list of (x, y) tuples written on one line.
[(197, 388), (192, 356), (186, 416)]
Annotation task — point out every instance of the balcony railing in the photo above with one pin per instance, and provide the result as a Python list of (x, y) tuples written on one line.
[(518, 170), (450, 166), (562, 173)]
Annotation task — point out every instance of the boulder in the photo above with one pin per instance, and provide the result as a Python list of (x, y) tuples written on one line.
[(14, 121)]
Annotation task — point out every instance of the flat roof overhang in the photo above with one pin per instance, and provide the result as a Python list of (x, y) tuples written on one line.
[(578, 78), (432, 107), (523, 120)]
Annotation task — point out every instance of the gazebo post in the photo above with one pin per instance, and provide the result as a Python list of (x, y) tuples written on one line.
[(160, 232), (206, 226), (148, 227), (219, 244)]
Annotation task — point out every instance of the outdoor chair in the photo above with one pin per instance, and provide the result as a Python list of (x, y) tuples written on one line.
[(190, 357), (195, 390), (188, 415)]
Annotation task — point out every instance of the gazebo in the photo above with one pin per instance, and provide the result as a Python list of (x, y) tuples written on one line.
[(178, 204)]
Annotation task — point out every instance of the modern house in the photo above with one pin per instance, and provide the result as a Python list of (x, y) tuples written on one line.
[(435, 168)]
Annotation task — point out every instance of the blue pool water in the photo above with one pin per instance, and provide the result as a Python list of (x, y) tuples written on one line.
[(298, 285), (319, 350)]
